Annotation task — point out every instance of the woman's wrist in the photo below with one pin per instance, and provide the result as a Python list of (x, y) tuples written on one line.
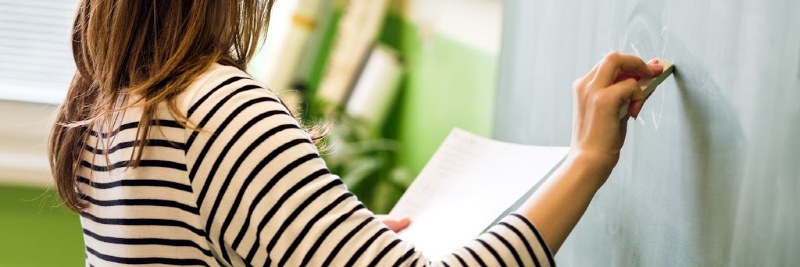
[(560, 202), (592, 166)]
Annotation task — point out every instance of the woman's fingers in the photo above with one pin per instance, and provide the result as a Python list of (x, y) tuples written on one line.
[(628, 92), (655, 67), (593, 72), (626, 81), (614, 63), (394, 224), (624, 75), (653, 64)]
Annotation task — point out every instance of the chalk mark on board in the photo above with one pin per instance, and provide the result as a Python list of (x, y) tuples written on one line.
[(664, 37), (635, 51), (657, 121), (663, 34), (624, 41)]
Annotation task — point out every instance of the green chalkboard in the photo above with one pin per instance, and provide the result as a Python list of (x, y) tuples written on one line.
[(710, 175)]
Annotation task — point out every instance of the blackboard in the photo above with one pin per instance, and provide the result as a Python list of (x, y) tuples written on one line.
[(710, 175)]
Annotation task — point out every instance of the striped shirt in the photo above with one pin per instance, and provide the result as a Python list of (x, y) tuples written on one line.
[(246, 187)]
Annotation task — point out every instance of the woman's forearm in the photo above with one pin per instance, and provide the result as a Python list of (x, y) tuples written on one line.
[(559, 203)]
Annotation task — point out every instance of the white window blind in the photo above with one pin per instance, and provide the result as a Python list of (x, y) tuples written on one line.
[(36, 62)]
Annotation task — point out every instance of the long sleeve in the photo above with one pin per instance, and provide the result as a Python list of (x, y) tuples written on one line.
[(265, 197)]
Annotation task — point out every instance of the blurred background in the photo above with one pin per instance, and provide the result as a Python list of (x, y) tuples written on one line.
[(392, 76)]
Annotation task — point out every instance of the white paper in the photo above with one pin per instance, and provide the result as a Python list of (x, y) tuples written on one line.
[(468, 183)]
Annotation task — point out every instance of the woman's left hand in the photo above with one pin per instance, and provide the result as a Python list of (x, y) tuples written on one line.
[(395, 224)]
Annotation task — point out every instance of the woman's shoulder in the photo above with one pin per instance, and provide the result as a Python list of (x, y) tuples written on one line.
[(216, 80)]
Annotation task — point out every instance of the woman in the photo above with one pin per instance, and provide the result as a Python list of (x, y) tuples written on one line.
[(173, 155)]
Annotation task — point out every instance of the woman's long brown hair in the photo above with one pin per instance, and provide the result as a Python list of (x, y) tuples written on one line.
[(148, 51)]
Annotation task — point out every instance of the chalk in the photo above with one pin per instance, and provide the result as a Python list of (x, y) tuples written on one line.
[(649, 85)]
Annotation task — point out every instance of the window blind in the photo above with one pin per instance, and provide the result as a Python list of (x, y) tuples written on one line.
[(36, 62)]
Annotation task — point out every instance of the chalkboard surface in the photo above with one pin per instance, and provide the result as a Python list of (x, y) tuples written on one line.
[(710, 174)]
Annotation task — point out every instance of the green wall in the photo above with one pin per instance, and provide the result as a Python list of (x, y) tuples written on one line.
[(34, 231), (447, 84)]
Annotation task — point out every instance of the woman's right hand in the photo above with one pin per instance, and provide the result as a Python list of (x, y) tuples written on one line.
[(597, 131), (597, 137)]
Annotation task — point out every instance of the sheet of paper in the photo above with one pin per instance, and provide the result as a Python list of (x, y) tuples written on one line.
[(468, 183)]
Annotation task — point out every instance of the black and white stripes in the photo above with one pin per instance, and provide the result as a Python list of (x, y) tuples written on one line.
[(246, 187)]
